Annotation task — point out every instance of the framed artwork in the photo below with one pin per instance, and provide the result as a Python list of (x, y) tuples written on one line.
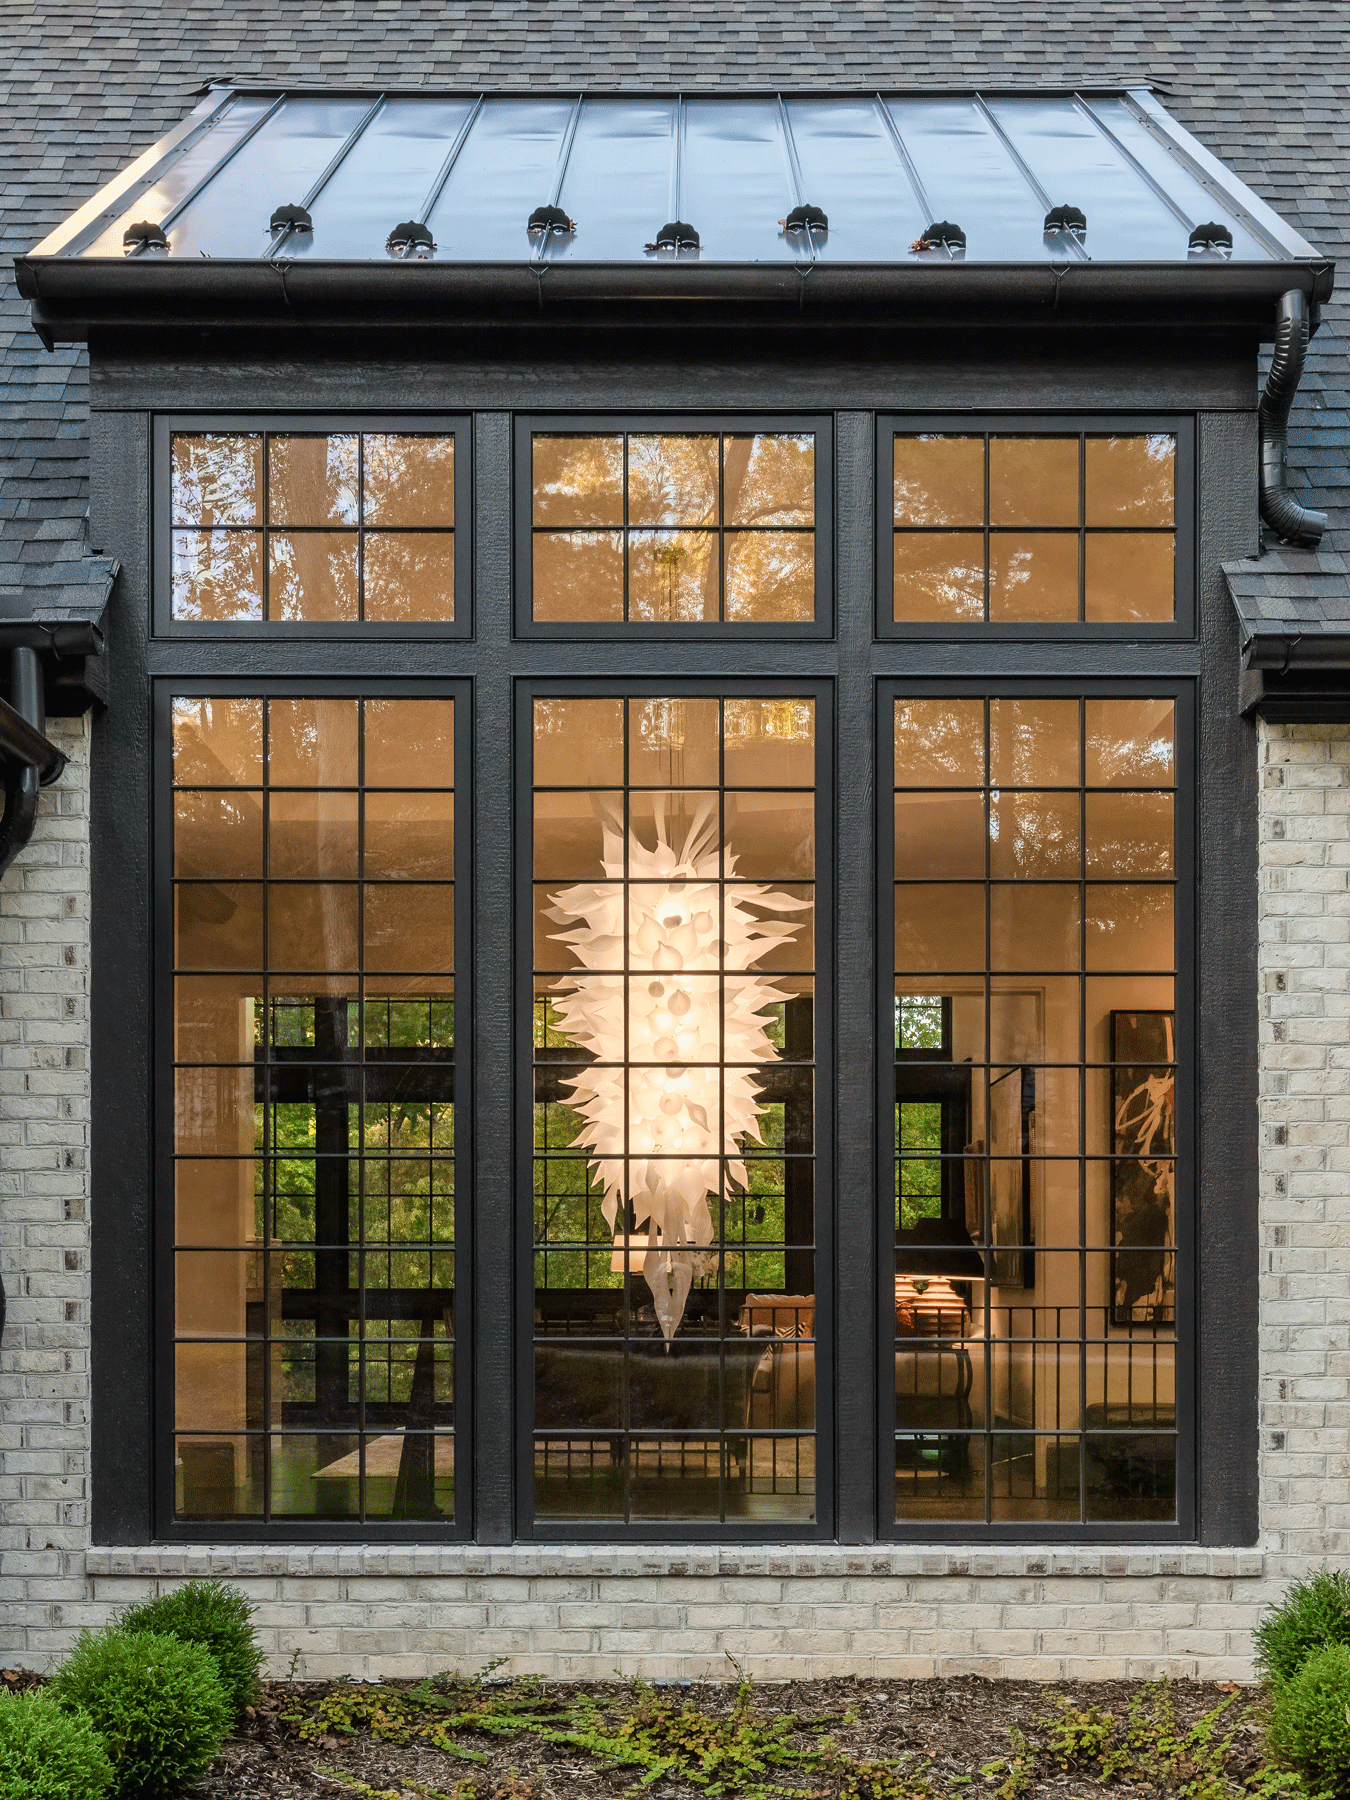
[(1143, 1169), (1012, 1110)]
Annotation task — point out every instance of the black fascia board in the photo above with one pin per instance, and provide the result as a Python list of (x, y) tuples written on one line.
[(71, 296)]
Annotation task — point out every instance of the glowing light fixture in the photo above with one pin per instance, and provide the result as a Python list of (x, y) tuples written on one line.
[(691, 1013)]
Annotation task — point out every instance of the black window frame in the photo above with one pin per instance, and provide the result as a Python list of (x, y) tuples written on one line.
[(168, 1527), (166, 425), (634, 632), (822, 1527), (1188, 1204), (1182, 626)]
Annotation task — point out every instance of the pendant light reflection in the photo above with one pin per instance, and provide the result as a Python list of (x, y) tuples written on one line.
[(673, 1040)]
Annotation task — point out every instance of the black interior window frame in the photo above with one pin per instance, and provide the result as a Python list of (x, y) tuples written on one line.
[(1182, 626), (639, 632), (167, 425), (891, 1078), (168, 1527)]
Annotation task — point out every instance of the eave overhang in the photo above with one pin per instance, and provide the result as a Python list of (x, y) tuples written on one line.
[(1293, 610), (71, 297)]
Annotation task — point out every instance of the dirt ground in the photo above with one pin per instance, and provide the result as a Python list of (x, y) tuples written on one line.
[(948, 1730)]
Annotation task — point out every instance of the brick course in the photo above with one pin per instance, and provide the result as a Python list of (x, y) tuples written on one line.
[(1049, 1613)]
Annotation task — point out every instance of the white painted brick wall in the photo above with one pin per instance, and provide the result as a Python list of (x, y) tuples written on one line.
[(1034, 1613)]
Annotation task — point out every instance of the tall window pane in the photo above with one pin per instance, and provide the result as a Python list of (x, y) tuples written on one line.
[(314, 1031), (674, 866), (674, 527), (1035, 1109)]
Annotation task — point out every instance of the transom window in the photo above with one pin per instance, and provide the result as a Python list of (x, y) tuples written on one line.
[(1034, 527), (312, 527), (673, 528)]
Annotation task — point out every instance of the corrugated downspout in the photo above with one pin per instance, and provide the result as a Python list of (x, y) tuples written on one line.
[(1294, 523)]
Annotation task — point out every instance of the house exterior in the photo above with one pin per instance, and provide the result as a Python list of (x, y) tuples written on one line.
[(682, 993)]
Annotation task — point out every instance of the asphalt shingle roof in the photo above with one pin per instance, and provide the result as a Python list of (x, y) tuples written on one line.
[(86, 87)]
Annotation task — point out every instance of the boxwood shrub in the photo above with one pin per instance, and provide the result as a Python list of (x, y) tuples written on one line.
[(158, 1704), (217, 1617), (1309, 1728), (1312, 1615), (47, 1753)]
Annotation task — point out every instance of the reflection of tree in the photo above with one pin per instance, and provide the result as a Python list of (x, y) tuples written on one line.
[(1145, 1130)]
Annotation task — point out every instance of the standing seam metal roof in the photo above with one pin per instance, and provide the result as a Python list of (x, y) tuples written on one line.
[(84, 84)]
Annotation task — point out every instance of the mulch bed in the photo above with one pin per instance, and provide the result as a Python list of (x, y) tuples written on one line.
[(950, 1728)]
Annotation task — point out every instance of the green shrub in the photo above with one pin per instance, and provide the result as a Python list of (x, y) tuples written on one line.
[(158, 1704), (217, 1617), (1313, 1614), (1309, 1728), (47, 1753)]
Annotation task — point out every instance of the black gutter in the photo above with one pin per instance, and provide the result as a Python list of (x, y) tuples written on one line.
[(1286, 517), (72, 295), (1282, 651)]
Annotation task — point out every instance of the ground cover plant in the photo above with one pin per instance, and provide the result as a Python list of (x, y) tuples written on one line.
[(157, 1703), (484, 1738)]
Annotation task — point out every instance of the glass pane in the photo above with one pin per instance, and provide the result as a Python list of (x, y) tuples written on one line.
[(409, 927), (216, 478), (1033, 926), (939, 743), (774, 835), (312, 480), (578, 575), (1129, 834), (578, 480), (1131, 743), (1131, 480), (939, 575), (217, 1477), (410, 743), (770, 575), (939, 481), (769, 479), (217, 925), (312, 576), (217, 576), (408, 575), (672, 480), (410, 837), (312, 835), (217, 742), (939, 836), (1033, 577), (672, 742), (1033, 836), (1130, 575), (312, 926), (311, 743), (939, 927), (579, 742), (1033, 481), (769, 743), (410, 479), (218, 834), (672, 576), (1130, 927), (1033, 743)]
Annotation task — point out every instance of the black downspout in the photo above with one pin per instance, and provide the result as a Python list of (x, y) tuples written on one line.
[(1289, 520), (24, 780)]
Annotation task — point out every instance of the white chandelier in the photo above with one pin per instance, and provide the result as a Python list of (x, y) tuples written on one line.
[(687, 1024)]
